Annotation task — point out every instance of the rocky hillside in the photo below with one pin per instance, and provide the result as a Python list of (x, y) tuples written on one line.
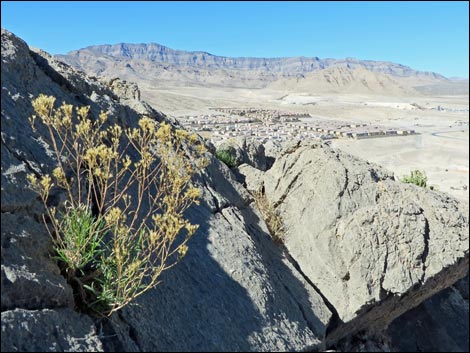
[(339, 79), (156, 63), (361, 249)]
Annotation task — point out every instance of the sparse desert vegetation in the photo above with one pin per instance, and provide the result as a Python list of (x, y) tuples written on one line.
[(416, 177), (270, 215), (122, 223), (227, 157)]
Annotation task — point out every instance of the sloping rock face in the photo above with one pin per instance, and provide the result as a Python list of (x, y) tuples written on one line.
[(235, 290), (374, 247), (440, 324), (58, 330)]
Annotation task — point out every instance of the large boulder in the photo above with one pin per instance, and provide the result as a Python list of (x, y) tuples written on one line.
[(272, 150), (254, 155), (374, 247), (250, 177)]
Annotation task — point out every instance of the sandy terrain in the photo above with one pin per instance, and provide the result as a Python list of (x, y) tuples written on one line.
[(441, 149)]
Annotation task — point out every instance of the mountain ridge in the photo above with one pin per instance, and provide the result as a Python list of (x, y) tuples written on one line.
[(154, 61), (128, 48)]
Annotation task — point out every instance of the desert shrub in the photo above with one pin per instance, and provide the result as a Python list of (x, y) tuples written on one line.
[(122, 223), (416, 177), (227, 157), (270, 215)]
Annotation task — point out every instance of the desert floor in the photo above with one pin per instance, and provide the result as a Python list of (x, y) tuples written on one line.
[(441, 149)]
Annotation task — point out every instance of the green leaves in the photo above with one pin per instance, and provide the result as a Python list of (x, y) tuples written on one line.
[(226, 157), (417, 177), (82, 237)]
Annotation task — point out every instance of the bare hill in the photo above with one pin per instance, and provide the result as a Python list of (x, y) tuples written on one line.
[(339, 79)]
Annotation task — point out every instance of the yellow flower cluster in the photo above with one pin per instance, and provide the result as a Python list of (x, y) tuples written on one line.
[(43, 106), (147, 125), (84, 128), (164, 132), (82, 112), (97, 156), (113, 216), (138, 237), (59, 175)]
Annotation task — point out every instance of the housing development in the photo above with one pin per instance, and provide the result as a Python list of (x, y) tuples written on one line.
[(269, 124)]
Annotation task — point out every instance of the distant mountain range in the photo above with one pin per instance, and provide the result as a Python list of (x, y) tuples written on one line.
[(156, 64)]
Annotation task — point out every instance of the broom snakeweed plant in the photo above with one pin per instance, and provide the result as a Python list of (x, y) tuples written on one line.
[(123, 221)]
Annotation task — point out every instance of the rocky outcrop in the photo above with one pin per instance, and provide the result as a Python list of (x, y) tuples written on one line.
[(440, 324), (251, 153), (250, 177), (58, 330), (127, 90), (361, 248), (272, 150), (235, 290), (374, 247), (254, 152)]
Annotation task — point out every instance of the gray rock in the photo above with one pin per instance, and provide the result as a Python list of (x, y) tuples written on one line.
[(374, 247), (235, 290), (254, 155), (234, 150), (365, 342), (249, 176), (272, 150), (59, 330), (30, 278), (440, 324), (251, 153), (124, 89)]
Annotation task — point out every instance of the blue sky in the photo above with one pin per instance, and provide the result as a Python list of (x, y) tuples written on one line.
[(430, 36)]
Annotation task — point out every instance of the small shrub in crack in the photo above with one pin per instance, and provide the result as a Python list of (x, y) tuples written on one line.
[(228, 158), (270, 215), (123, 222)]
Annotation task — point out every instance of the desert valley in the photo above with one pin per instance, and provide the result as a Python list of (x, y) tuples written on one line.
[(429, 112)]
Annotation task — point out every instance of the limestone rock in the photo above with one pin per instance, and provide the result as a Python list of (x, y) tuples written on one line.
[(373, 246), (235, 290), (30, 279), (124, 89), (234, 150), (251, 153), (272, 150), (440, 324), (254, 155), (249, 177), (59, 330)]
